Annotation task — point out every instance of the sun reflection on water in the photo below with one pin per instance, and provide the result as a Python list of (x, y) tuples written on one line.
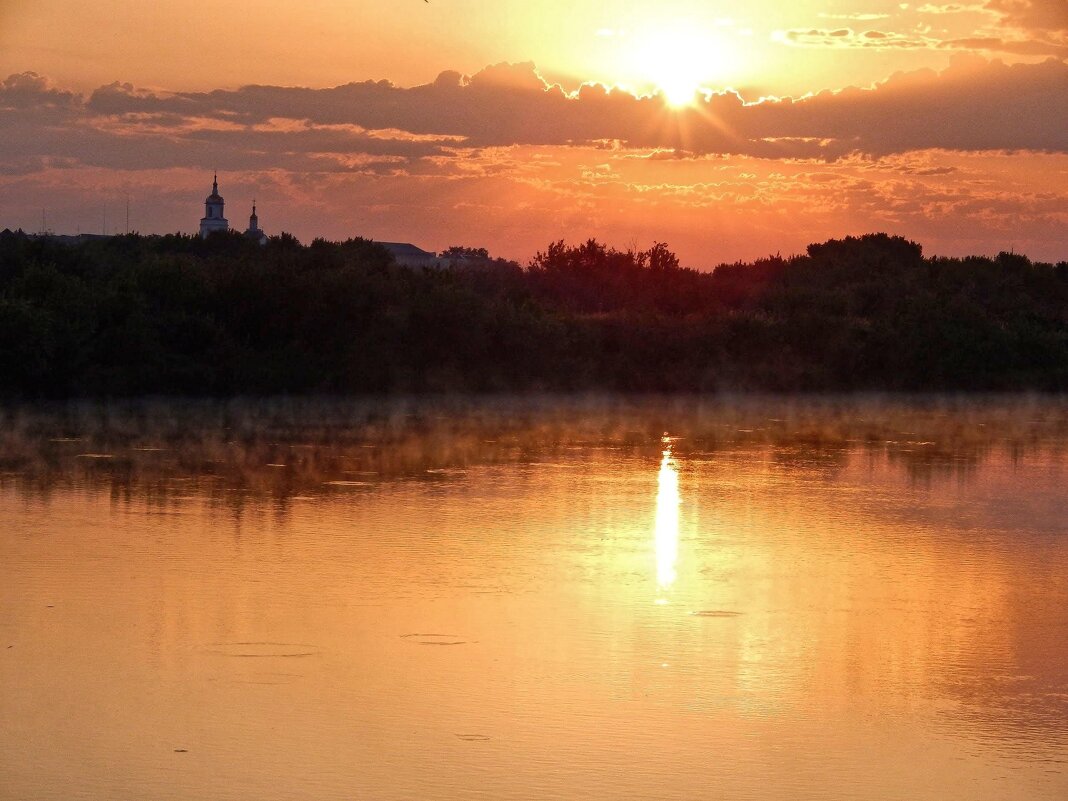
[(667, 518)]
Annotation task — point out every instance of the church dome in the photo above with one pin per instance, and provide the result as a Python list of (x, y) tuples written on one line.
[(214, 197)]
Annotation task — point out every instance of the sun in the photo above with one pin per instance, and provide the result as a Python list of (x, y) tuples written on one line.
[(678, 89), (680, 61), (675, 68)]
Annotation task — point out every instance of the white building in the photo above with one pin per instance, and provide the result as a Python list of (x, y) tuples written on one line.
[(213, 219)]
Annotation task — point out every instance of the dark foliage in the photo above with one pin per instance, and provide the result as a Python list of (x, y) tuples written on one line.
[(136, 315)]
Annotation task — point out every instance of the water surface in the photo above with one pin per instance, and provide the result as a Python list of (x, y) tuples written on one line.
[(532, 599)]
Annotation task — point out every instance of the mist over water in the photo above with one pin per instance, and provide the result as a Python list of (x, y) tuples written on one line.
[(535, 598)]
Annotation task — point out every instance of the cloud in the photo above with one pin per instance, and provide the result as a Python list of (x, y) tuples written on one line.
[(30, 90), (858, 16), (44, 126), (1023, 47), (972, 105), (1032, 15), (847, 37), (873, 39), (514, 200), (376, 127), (1039, 28), (947, 8)]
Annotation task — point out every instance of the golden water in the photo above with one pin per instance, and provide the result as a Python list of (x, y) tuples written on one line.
[(536, 599)]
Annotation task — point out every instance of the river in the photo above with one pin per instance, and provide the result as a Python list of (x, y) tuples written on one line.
[(535, 598)]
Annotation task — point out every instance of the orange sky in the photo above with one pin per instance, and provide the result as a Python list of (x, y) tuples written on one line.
[(489, 124)]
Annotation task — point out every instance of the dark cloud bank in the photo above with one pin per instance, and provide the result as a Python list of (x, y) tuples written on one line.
[(973, 105)]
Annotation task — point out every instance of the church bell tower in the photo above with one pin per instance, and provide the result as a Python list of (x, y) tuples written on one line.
[(213, 219)]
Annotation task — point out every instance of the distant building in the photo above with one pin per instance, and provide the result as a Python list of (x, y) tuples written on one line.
[(408, 255), (254, 233), (213, 219)]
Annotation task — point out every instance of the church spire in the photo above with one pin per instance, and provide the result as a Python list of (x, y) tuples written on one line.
[(254, 233), (215, 184)]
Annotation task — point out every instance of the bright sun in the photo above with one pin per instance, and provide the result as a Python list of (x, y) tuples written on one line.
[(679, 61)]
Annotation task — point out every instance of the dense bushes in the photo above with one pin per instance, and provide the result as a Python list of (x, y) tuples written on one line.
[(179, 315)]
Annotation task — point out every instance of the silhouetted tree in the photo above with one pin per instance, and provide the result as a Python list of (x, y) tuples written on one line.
[(177, 314)]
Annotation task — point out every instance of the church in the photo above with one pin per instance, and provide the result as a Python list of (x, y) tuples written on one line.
[(214, 218)]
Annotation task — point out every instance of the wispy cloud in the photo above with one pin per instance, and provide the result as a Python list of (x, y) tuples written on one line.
[(1014, 27), (847, 38), (859, 17)]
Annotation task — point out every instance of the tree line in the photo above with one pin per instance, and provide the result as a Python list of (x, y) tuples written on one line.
[(179, 315)]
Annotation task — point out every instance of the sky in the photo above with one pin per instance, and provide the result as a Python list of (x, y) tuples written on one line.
[(728, 130)]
